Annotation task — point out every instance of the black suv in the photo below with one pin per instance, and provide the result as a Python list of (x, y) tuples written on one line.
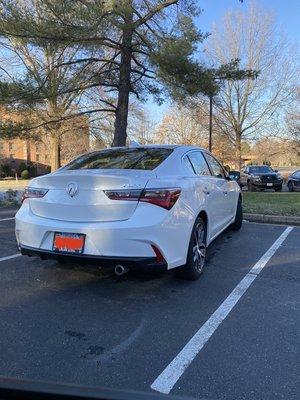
[(260, 177)]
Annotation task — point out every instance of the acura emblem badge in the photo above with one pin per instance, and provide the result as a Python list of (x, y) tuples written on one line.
[(72, 189)]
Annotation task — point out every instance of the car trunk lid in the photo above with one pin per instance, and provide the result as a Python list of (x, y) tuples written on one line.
[(78, 195)]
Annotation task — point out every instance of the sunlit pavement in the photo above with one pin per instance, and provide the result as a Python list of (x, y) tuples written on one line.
[(81, 324)]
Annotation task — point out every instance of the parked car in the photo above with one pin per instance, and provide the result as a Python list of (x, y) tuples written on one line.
[(261, 177), (294, 181), (150, 206)]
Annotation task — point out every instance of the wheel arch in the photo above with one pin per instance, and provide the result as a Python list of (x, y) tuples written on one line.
[(203, 214)]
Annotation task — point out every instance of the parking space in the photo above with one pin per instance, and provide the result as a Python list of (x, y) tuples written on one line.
[(255, 352), (81, 324), (8, 245)]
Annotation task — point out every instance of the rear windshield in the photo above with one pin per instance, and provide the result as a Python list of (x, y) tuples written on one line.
[(137, 158), (260, 170)]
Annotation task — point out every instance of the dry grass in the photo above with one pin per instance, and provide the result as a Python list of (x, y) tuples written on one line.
[(13, 184)]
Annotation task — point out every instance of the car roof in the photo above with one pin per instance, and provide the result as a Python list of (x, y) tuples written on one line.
[(181, 147)]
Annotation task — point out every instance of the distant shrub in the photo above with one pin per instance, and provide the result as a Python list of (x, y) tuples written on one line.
[(32, 170), (6, 170), (25, 174), (21, 168)]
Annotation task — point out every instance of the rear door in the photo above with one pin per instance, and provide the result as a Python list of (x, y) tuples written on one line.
[(206, 184), (226, 191)]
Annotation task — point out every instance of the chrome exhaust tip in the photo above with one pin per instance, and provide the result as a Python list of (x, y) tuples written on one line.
[(120, 270)]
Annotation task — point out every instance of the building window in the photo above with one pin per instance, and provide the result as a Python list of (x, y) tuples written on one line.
[(38, 147), (37, 157)]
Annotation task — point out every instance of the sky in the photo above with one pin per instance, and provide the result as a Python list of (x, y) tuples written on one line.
[(286, 12)]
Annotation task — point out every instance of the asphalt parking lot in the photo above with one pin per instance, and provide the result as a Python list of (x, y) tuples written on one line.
[(81, 324)]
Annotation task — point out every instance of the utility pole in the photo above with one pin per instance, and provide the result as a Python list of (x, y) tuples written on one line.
[(210, 122)]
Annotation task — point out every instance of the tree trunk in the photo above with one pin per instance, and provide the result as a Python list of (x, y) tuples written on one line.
[(120, 133), (238, 149), (28, 152), (54, 152)]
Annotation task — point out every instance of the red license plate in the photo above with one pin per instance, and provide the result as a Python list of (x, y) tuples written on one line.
[(68, 242)]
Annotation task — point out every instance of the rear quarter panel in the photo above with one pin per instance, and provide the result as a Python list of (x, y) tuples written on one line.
[(178, 223)]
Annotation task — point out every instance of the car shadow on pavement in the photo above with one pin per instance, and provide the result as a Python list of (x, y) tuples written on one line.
[(143, 275)]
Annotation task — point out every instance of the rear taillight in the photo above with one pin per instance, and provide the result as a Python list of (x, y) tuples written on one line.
[(33, 193), (165, 197)]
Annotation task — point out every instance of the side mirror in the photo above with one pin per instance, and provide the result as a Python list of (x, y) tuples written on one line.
[(275, 170), (234, 175)]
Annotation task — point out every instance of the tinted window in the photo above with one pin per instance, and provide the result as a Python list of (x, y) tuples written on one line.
[(263, 169), (199, 163), (137, 158), (215, 166)]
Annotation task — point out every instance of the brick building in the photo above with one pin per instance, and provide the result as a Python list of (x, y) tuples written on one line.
[(35, 151)]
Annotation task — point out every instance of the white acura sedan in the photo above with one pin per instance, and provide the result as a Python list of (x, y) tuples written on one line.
[(148, 206)]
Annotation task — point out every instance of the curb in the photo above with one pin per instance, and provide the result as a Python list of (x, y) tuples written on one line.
[(273, 219)]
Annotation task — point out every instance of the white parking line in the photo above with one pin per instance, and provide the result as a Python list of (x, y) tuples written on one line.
[(168, 378), (7, 219), (10, 257)]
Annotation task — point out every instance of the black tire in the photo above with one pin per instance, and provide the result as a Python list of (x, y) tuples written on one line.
[(278, 189), (290, 187), (196, 252), (250, 187), (238, 222)]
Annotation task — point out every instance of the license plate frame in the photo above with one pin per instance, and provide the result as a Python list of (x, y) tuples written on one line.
[(68, 242), (269, 184)]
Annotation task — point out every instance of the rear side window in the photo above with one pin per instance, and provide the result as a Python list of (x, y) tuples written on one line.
[(187, 163), (198, 162), (137, 158), (216, 168)]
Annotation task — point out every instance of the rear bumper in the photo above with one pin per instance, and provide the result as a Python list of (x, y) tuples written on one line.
[(129, 241), (103, 261), (263, 185)]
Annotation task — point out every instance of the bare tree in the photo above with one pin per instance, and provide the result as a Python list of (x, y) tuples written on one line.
[(246, 109), (179, 126), (275, 151), (187, 125), (52, 99), (293, 121)]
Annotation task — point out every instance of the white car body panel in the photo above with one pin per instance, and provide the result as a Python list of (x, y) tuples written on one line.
[(117, 228)]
